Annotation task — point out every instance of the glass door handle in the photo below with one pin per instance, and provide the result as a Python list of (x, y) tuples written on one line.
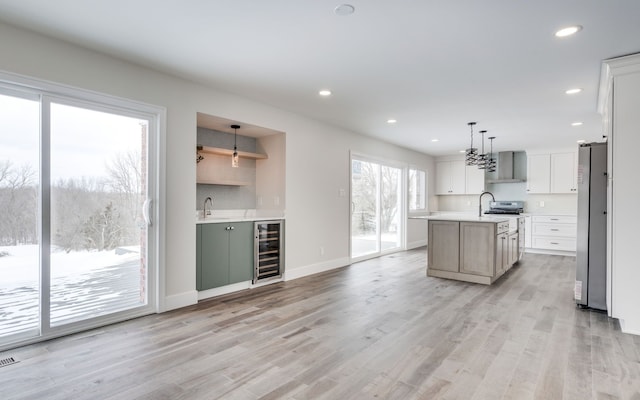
[(146, 211)]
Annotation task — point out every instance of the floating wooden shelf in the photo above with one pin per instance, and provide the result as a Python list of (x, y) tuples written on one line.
[(222, 182), (228, 152)]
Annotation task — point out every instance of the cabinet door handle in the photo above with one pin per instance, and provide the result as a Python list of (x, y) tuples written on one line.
[(232, 227), (555, 230), (555, 243)]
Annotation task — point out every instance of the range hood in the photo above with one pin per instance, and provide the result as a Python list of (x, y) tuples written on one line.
[(506, 169)]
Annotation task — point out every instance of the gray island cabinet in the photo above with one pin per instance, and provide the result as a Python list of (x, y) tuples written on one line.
[(478, 250)]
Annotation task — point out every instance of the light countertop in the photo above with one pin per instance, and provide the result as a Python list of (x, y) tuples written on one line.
[(212, 219), (225, 216), (463, 218)]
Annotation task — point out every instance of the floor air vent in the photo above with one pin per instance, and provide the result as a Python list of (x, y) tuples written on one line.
[(7, 361)]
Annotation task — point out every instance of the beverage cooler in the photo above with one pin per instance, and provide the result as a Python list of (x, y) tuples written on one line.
[(269, 250)]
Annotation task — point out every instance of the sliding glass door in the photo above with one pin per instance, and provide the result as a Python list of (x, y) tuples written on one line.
[(19, 209), (75, 232), (376, 208), (96, 225)]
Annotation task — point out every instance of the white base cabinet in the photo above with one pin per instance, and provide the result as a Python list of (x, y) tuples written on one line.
[(554, 234)]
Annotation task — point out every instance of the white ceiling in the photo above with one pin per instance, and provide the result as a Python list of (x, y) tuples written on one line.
[(433, 65)]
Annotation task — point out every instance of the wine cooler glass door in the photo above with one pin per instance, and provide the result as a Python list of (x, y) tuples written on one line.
[(268, 251)]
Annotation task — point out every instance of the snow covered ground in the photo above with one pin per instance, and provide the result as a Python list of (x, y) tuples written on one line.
[(21, 265), (84, 284)]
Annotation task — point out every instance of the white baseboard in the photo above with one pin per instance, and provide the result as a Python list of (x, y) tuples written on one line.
[(416, 244), (295, 273), (632, 330), (552, 252), (179, 300)]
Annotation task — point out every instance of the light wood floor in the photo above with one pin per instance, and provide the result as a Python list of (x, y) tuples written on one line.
[(378, 329)]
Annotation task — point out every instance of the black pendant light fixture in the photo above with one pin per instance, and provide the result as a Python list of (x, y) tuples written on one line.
[(482, 158), (491, 166), (471, 153), (235, 159)]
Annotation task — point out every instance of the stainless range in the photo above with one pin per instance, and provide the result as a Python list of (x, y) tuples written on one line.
[(505, 207)]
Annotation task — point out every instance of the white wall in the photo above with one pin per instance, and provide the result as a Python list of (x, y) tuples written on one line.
[(317, 155), (270, 173)]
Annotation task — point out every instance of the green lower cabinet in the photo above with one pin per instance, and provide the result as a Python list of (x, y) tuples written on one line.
[(198, 257), (241, 252), (224, 254)]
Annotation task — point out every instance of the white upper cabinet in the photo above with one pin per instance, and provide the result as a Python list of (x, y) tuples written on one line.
[(552, 172), (474, 180), (564, 172), (538, 173), (450, 177), (454, 177)]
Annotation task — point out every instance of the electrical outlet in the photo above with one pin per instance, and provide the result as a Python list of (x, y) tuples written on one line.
[(541, 204), (276, 200), (468, 203), (342, 193), (321, 250)]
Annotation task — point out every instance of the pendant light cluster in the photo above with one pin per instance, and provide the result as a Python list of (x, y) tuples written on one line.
[(234, 158), (482, 160)]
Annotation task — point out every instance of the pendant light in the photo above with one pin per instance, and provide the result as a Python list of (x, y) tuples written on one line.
[(482, 158), (234, 158), (471, 153), (491, 167), (198, 155)]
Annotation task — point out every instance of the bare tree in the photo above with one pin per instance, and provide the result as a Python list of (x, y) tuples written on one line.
[(18, 204), (366, 183), (125, 182), (103, 230)]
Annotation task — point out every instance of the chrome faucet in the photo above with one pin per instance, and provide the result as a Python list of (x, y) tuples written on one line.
[(480, 202), (204, 207)]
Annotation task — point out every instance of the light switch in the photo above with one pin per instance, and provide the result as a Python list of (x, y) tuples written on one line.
[(541, 204)]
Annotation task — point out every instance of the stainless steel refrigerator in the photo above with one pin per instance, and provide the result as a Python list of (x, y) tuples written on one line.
[(591, 263)]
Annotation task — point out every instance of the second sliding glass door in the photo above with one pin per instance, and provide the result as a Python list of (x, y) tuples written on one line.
[(376, 208)]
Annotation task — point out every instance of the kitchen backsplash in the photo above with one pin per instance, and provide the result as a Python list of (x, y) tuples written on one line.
[(533, 203)]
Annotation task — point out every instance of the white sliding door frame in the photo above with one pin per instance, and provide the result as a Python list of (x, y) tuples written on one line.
[(48, 93)]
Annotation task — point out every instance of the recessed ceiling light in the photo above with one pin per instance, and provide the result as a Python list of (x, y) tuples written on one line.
[(462, 151), (435, 140), (325, 92), (568, 31), (581, 141), (577, 123), (573, 91), (344, 9), (391, 121)]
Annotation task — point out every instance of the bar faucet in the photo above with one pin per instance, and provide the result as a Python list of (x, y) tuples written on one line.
[(480, 202), (204, 207)]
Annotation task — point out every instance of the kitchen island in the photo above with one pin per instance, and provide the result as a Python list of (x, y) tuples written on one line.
[(472, 249)]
